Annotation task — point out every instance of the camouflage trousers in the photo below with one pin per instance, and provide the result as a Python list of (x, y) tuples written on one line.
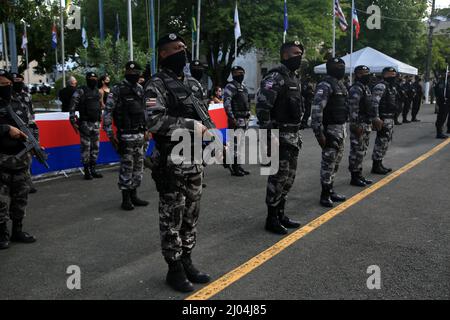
[(332, 153), (14, 189), (384, 137), (179, 207), (241, 124), (358, 147), (89, 141), (131, 161)]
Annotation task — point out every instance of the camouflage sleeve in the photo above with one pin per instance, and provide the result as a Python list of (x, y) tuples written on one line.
[(323, 92), (228, 93), (377, 94), (74, 104), (271, 85), (354, 97), (111, 103), (31, 123), (158, 121)]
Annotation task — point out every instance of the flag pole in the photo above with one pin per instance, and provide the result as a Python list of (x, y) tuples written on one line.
[(334, 28), (63, 58), (5, 41), (351, 42), (26, 50), (101, 20), (152, 35), (199, 9), (130, 31)]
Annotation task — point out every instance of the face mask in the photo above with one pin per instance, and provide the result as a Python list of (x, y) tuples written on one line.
[(6, 92), (293, 63), (91, 83), (365, 79), (175, 62), (18, 86), (239, 78), (336, 72), (197, 74), (132, 78), (390, 80)]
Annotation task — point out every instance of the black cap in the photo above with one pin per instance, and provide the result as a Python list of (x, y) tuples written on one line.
[(91, 75), (237, 68), (196, 64), (335, 61), (171, 37), (291, 44), (6, 74), (132, 66), (362, 68), (389, 69)]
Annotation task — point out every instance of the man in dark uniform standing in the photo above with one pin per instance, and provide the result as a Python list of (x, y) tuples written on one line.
[(417, 101), (237, 107), (329, 117), (65, 94), (442, 93), (279, 106), (14, 172), (125, 104), (88, 101), (170, 106), (384, 99)]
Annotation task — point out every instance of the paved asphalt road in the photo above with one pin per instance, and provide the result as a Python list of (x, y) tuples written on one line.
[(404, 228)]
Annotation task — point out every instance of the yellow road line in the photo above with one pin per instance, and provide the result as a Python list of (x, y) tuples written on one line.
[(244, 269)]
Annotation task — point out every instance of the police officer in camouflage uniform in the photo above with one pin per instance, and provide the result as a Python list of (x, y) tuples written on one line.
[(14, 172), (384, 99), (329, 116), (87, 101), (125, 105), (361, 116), (170, 107), (279, 106), (237, 107), (25, 98)]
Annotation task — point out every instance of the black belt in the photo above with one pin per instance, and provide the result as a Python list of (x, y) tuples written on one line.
[(288, 127), (133, 131), (387, 116)]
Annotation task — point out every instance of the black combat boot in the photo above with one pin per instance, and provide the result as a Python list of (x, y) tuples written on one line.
[(336, 197), (87, 172), (406, 120), (441, 136), (241, 169), (136, 201), (377, 168), (325, 197), (273, 223), (387, 169), (192, 273), (284, 220), (234, 169), (17, 235), (4, 236), (176, 277), (396, 122), (357, 180), (94, 172), (366, 181), (126, 200)]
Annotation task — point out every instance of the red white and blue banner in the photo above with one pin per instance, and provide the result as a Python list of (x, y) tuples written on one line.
[(63, 145)]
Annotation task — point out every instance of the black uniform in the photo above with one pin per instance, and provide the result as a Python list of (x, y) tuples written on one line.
[(443, 103)]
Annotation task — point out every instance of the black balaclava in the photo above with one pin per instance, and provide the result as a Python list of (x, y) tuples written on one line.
[(239, 78), (6, 92), (390, 80), (363, 78), (132, 78), (293, 63), (90, 82), (175, 62), (18, 86), (336, 68)]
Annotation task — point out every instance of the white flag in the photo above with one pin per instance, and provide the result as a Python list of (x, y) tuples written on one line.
[(237, 26), (84, 38), (24, 42)]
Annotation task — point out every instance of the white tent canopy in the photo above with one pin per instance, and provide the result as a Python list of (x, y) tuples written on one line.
[(372, 58)]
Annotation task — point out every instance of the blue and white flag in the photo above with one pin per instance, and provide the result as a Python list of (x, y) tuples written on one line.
[(54, 37), (84, 38)]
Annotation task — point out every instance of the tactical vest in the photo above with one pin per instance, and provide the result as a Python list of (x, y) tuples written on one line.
[(288, 108), (129, 116), (365, 102), (90, 109), (336, 111), (239, 103), (178, 104), (388, 102), (8, 145)]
